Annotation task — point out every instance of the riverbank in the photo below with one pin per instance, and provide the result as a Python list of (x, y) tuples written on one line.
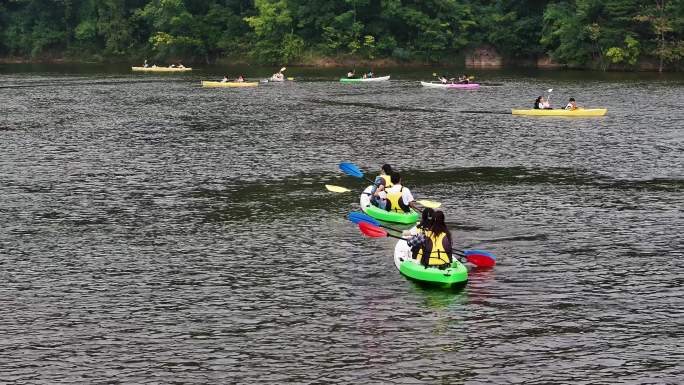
[(476, 59)]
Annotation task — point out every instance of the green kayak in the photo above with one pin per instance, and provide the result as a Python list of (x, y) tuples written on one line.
[(454, 276), (384, 215)]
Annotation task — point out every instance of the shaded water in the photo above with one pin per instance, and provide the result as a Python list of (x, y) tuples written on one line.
[(155, 231)]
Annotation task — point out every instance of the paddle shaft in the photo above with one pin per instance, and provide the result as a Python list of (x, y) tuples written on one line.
[(457, 251)]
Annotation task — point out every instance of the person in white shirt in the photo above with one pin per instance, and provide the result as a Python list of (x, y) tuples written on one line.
[(397, 198), (572, 105), (542, 104)]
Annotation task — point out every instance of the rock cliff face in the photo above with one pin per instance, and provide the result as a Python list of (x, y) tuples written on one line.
[(483, 57)]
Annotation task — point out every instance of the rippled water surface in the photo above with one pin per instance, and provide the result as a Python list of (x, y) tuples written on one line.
[(157, 232)]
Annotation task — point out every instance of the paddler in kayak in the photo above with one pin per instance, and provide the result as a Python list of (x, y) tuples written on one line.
[(240, 79), (225, 79), (417, 234), (436, 251), (350, 75), (463, 79), (278, 76), (572, 105), (541, 104), (381, 182), (398, 198)]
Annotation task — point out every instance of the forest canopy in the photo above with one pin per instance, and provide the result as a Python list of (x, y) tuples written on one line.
[(583, 33)]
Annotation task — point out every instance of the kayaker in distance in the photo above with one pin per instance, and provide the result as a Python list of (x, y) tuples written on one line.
[(350, 75), (145, 65), (541, 104), (463, 79), (398, 198), (225, 79), (572, 105), (436, 251), (370, 74), (240, 79)]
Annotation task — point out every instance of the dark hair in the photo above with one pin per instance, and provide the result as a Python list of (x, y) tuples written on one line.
[(427, 218), (396, 178), (439, 226), (387, 169), (572, 99), (538, 99)]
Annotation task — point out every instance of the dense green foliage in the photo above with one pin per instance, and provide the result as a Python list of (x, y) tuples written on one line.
[(600, 33)]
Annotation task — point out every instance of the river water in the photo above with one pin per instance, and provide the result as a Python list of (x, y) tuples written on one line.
[(157, 232)]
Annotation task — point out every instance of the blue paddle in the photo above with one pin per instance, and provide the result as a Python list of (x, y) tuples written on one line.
[(361, 217), (352, 170), (478, 258)]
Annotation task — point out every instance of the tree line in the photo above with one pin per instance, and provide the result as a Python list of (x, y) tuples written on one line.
[(583, 33)]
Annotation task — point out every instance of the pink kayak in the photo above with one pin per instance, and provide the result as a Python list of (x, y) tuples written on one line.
[(450, 85)]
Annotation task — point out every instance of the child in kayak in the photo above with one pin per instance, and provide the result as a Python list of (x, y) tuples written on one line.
[(417, 234), (572, 105), (398, 198), (436, 251), (225, 79), (382, 181)]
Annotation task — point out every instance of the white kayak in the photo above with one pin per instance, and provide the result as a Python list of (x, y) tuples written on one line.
[(450, 85), (362, 80)]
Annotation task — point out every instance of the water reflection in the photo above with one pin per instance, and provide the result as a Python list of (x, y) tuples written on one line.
[(174, 234)]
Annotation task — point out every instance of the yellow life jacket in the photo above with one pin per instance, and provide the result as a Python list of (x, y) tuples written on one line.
[(388, 180), (395, 202), (438, 256)]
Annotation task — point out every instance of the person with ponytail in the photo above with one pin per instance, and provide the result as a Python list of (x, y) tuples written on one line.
[(437, 250), (418, 234)]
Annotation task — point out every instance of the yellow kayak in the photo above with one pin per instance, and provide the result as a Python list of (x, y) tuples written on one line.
[(161, 69), (206, 83), (577, 112)]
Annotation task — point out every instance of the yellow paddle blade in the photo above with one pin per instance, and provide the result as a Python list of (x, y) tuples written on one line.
[(471, 77), (336, 188), (290, 78), (430, 204), (282, 69)]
